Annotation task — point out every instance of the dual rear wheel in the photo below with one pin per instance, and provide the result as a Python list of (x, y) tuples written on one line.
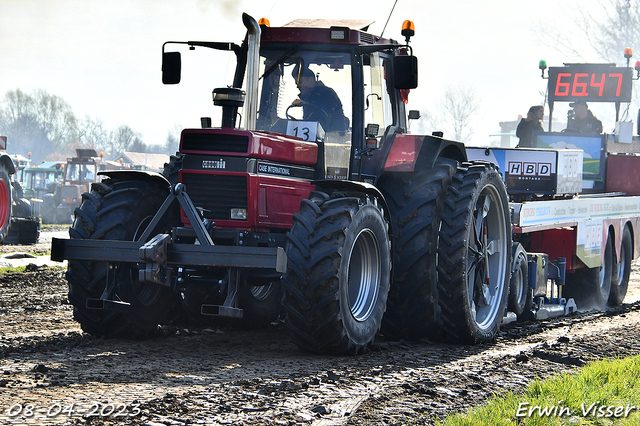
[(452, 253)]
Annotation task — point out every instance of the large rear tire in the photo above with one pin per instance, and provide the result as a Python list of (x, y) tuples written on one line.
[(590, 287), (474, 254), (415, 205), (337, 280), (117, 210), (5, 202), (621, 270)]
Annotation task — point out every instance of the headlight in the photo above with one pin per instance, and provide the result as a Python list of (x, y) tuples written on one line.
[(239, 214)]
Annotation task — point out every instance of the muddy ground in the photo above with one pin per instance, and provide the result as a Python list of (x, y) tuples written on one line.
[(52, 373)]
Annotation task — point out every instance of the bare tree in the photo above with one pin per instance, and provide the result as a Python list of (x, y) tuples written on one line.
[(172, 143), (459, 105), (93, 134), (39, 123), (605, 33), (123, 139), (56, 118)]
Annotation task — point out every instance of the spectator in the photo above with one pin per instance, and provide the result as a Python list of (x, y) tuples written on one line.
[(526, 127)]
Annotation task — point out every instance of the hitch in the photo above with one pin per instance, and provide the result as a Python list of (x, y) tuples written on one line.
[(230, 306), (155, 254)]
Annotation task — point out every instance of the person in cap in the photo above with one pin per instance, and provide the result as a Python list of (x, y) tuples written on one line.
[(526, 127), (319, 102), (581, 119)]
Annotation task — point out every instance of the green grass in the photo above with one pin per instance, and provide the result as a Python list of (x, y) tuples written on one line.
[(589, 396), (21, 269)]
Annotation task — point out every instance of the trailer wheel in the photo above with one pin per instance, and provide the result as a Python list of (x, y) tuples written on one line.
[(337, 280), (520, 294), (117, 210), (590, 287), (621, 271), (474, 254), (415, 205)]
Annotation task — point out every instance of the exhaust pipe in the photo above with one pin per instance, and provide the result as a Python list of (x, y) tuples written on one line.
[(253, 62)]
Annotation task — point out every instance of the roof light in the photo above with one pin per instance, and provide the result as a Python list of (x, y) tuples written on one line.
[(264, 22), (339, 33), (542, 65), (408, 29), (628, 53), (638, 66)]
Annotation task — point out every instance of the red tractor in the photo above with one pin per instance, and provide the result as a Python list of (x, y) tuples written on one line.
[(19, 221), (315, 203)]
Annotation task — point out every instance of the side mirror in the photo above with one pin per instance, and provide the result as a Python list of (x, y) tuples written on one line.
[(414, 114), (171, 65), (405, 72)]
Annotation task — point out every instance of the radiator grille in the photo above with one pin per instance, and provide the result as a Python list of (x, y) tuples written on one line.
[(217, 194), (214, 142)]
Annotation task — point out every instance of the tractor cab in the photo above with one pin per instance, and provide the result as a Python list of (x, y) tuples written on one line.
[(321, 81)]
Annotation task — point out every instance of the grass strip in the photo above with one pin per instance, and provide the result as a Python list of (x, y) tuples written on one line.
[(603, 392)]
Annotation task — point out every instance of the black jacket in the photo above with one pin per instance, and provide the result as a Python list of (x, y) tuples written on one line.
[(322, 104), (589, 124), (525, 132)]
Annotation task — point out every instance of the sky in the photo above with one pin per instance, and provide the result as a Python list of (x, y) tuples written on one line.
[(104, 57)]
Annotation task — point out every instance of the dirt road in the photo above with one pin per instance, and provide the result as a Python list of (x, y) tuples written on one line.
[(52, 373)]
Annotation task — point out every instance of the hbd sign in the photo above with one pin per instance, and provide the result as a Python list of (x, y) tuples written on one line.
[(3, 142), (529, 169)]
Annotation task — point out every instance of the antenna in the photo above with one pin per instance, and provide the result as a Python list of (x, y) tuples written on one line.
[(390, 13)]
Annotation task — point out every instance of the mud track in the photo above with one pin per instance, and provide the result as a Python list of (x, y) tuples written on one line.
[(219, 375)]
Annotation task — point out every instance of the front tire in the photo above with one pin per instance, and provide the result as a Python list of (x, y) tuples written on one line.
[(474, 254), (337, 280), (117, 210)]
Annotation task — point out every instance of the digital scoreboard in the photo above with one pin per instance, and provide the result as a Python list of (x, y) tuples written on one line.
[(590, 83)]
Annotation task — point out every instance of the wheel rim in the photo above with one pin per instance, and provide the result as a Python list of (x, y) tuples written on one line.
[(364, 275), (261, 292), (4, 206), (487, 248)]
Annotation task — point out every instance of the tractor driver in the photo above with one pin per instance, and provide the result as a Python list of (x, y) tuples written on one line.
[(320, 103), (581, 119)]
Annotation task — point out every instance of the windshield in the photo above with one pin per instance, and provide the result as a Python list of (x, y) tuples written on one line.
[(80, 172), (303, 86)]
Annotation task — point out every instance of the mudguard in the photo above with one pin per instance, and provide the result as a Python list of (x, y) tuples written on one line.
[(136, 175), (409, 152)]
